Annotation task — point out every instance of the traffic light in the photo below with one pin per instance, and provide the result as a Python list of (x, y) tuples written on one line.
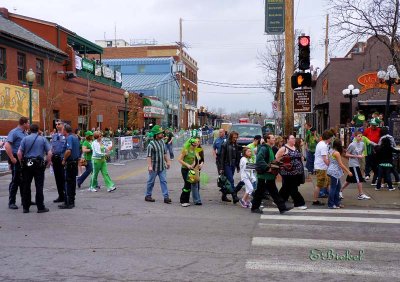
[(304, 52), (301, 80)]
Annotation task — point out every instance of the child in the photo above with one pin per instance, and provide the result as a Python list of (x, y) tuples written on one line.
[(247, 176), (335, 172)]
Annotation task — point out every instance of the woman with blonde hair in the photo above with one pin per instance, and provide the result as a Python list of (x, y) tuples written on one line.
[(100, 164)]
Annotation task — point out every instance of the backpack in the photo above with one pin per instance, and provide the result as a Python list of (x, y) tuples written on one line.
[(224, 184)]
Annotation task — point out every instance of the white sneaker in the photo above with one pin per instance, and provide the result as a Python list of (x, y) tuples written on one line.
[(92, 189), (112, 189), (363, 197), (185, 205), (301, 208), (341, 195), (367, 177), (383, 185), (373, 184), (392, 189)]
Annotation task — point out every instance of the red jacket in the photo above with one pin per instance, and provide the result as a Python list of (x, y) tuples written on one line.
[(373, 135)]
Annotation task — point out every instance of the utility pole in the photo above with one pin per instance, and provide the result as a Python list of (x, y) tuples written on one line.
[(180, 75), (326, 39), (289, 67)]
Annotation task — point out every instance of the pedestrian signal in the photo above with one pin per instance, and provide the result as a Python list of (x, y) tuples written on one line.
[(304, 52), (301, 80)]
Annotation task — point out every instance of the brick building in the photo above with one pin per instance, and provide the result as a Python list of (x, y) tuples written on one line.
[(72, 86), (188, 91), (359, 68)]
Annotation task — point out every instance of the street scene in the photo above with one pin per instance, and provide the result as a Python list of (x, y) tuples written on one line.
[(200, 141)]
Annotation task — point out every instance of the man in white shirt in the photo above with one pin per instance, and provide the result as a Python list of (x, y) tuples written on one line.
[(321, 165)]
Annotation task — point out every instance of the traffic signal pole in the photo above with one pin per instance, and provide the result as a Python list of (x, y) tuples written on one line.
[(289, 68)]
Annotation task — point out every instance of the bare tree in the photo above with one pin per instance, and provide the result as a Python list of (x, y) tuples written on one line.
[(355, 20)]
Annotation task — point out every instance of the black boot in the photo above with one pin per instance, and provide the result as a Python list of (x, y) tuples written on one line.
[(224, 198), (235, 198)]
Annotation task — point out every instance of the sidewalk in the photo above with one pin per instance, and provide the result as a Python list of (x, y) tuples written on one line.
[(379, 199)]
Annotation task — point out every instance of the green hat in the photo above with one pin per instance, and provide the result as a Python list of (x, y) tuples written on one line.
[(194, 133), (88, 133), (373, 122), (156, 130)]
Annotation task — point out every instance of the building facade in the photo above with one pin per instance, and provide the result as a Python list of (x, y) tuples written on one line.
[(359, 68)]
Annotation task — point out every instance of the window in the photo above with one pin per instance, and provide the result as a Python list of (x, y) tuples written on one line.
[(39, 72), (121, 119), (3, 66), (344, 113), (83, 116), (21, 66), (109, 43)]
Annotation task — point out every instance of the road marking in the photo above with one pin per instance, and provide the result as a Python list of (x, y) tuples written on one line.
[(339, 211), (332, 218), (317, 267), (331, 244), (131, 174)]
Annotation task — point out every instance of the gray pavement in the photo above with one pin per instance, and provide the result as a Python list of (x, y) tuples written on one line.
[(120, 237)]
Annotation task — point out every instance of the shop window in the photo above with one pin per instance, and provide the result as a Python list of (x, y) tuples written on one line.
[(344, 113), (21, 66), (121, 119), (83, 116), (39, 72), (3, 66)]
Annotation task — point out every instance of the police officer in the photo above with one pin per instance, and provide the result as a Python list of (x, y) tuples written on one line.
[(58, 149), (70, 163), (31, 154), (14, 139)]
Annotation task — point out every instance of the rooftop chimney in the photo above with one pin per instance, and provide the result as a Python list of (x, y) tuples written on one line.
[(4, 12)]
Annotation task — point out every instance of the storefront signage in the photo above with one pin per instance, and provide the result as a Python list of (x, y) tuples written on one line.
[(274, 16), (302, 101), (150, 111), (78, 62), (14, 102), (108, 72), (118, 77), (371, 81)]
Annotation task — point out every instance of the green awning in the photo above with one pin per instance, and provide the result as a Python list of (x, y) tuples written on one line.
[(152, 103), (84, 46)]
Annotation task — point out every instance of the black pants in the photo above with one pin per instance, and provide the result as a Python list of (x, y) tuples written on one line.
[(290, 187), (270, 186), (187, 187), (16, 181), (59, 175), (71, 171), (36, 172)]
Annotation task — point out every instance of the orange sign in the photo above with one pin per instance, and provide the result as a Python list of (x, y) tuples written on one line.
[(325, 86), (371, 81)]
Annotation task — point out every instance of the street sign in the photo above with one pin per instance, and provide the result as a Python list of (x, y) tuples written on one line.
[(274, 16), (302, 100), (274, 106)]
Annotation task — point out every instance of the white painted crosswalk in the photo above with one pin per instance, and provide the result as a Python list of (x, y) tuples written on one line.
[(279, 246)]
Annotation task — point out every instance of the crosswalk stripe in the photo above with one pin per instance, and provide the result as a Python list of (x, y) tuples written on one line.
[(312, 267), (332, 218), (331, 244), (340, 211)]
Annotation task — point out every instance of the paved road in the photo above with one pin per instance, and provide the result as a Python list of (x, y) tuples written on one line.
[(120, 237)]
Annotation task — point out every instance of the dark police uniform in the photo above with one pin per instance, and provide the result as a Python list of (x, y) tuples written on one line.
[(58, 142), (33, 147), (71, 170), (15, 137)]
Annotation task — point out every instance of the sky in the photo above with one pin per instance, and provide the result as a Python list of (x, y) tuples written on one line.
[(223, 36)]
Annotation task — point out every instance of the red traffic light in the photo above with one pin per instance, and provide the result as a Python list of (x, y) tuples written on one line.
[(304, 41)]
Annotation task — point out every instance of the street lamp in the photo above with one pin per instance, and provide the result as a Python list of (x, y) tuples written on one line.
[(126, 96), (351, 92), (389, 76), (30, 77)]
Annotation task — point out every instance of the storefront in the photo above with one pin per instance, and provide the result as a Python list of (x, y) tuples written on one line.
[(153, 112)]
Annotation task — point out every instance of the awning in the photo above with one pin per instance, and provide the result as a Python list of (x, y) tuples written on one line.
[(84, 46), (378, 103), (153, 108)]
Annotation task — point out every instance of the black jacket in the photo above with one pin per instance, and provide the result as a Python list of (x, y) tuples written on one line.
[(230, 155)]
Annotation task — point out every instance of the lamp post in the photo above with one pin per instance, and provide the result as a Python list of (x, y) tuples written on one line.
[(390, 76), (351, 92), (30, 77), (126, 96)]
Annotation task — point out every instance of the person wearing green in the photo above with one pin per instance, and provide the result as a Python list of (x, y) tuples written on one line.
[(99, 164), (253, 147), (311, 141), (359, 119), (87, 155)]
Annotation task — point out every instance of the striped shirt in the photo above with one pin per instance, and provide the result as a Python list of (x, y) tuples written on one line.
[(156, 151)]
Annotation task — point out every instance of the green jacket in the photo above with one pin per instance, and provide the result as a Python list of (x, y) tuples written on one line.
[(265, 156)]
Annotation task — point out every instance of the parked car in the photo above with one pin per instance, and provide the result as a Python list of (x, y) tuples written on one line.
[(246, 131)]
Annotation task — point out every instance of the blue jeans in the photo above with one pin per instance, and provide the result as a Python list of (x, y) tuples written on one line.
[(196, 193), (229, 171), (162, 175), (168, 148), (310, 161), (333, 198), (88, 171)]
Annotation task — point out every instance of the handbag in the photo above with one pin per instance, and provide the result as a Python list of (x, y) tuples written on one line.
[(287, 163), (193, 176), (224, 184)]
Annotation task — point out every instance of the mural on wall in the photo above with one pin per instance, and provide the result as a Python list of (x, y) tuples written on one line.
[(14, 102)]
